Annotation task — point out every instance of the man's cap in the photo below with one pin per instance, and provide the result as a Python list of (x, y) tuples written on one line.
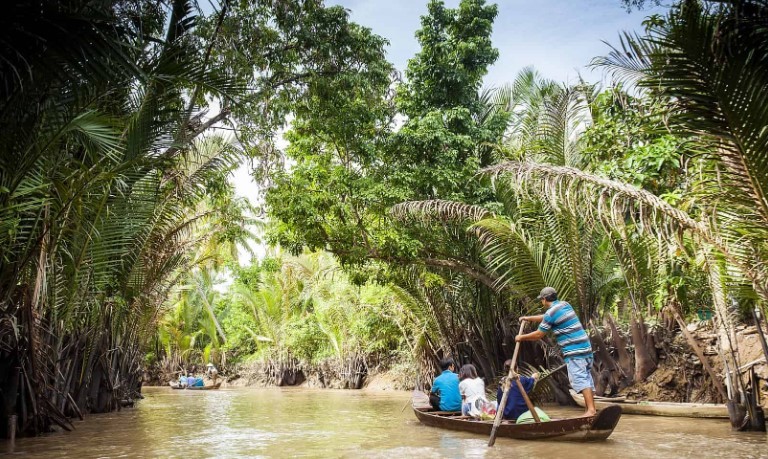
[(545, 292)]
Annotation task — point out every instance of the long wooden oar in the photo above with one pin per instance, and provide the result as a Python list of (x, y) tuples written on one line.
[(507, 385), (527, 400)]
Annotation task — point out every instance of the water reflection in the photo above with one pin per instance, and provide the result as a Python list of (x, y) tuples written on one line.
[(257, 423)]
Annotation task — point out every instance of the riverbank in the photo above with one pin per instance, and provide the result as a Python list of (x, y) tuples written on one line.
[(680, 375), (253, 376), (329, 374)]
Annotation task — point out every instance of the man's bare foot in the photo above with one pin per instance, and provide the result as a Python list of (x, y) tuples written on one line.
[(588, 414)]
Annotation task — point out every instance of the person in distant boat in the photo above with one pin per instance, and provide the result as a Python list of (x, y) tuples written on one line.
[(472, 390), (515, 402), (212, 372), (182, 380), (562, 321), (446, 385), (191, 380)]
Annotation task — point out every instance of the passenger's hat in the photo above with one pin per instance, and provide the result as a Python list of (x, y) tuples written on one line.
[(545, 292)]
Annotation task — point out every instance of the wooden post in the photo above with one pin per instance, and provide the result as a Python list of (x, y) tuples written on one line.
[(11, 433), (699, 353)]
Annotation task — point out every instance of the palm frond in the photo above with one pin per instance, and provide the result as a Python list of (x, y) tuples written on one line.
[(512, 254), (618, 203), (438, 211)]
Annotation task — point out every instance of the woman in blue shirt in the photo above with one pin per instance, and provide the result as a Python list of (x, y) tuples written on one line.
[(515, 402)]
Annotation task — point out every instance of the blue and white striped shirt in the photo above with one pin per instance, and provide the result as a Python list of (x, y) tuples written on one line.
[(562, 320)]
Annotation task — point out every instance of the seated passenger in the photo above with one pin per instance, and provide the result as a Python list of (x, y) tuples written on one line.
[(446, 385), (472, 390), (191, 380), (182, 381), (199, 382), (515, 401)]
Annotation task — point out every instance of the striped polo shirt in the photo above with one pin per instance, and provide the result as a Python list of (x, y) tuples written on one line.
[(562, 320)]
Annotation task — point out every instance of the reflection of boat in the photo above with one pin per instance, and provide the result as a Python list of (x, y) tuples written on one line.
[(597, 427), (686, 410), (176, 386)]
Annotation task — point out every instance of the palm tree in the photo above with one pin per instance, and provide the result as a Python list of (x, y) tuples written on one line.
[(711, 58), (97, 210)]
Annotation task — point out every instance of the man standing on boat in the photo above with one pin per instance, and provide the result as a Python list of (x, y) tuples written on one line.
[(561, 319)]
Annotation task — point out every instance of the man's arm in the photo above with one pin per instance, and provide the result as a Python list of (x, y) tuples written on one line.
[(535, 319), (532, 336)]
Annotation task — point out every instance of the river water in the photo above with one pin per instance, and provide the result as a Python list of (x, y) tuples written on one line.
[(252, 423)]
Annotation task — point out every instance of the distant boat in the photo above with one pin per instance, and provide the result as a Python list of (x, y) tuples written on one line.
[(177, 387), (592, 428), (684, 410)]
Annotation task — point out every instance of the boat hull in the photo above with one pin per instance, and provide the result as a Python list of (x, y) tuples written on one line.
[(177, 387), (593, 428), (682, 410)]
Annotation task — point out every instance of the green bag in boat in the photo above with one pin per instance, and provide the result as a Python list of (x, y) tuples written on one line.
[(527, 418)]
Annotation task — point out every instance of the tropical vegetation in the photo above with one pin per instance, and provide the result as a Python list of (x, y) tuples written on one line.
[(409, 217), (115, 154)]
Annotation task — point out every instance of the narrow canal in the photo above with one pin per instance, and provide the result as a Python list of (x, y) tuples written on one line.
[(240, 423)]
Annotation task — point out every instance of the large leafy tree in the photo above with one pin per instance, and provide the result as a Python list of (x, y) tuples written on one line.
[(355, 167), (450, 128)]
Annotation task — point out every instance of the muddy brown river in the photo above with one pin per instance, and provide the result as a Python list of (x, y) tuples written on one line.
[(254, 423)]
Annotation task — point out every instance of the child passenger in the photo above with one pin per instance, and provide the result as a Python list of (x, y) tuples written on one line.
[(472, 389)]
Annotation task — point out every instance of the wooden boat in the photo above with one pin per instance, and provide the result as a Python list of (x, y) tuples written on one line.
[(610, 399), (592, 428), (213, 387), (685, 410), (177, 387)]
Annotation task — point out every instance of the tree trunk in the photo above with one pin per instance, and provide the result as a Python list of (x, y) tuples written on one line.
[(700, 354), (620, 344), (616, 377), (644, 363)]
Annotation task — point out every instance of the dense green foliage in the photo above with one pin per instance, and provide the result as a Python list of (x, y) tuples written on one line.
[(104, 183), (302, 309), (606, 197), (566, 223), (338, 194), (422, 214), (112, 184), (351, 164)]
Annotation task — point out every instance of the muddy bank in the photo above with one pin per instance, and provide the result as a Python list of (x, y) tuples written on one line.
[(681, 376), (331, 374), (325, 375)]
